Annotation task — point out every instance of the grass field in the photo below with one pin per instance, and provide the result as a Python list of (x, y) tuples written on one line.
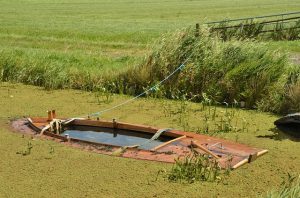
[(114, 34), (109, 36)]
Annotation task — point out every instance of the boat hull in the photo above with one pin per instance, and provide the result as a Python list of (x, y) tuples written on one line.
[(228, 154)]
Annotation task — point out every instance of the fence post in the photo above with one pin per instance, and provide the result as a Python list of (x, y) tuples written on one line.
[(197, 30)]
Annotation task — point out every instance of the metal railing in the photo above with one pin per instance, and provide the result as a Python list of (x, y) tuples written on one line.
[(254, 26), (256, 17)]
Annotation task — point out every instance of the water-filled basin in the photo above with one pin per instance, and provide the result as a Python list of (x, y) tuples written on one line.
[(116, 137)]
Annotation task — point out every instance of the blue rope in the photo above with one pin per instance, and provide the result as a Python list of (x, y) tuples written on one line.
[(153, 88)]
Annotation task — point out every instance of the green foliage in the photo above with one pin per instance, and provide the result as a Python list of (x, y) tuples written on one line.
[(284, 95), (27, 150), (194, 167), (227, 71), (104, 96), (54, 71), (288, 189)]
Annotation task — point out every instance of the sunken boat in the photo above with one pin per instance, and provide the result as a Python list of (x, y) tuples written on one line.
[(140, 141)]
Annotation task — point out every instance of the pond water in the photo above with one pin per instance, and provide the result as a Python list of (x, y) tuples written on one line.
[(115, 137)]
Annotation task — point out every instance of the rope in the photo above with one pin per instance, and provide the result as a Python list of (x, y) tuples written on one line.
[(153, 88), (54, 126)]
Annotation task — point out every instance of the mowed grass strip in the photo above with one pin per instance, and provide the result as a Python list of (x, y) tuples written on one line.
[(53, 169)]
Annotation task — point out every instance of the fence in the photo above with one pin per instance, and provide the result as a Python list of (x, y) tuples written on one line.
[(253, 26)]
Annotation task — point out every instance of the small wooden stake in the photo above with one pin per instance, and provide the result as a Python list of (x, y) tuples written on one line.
[(197, 30), (53, 114), (50, 118), (252, 157), (193, 143), (115, 124)]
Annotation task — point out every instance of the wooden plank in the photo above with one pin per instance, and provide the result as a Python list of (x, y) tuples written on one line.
[(136, 127), (169, 142), (260, 153), (194, 143), (95, 123), (240, 163), (55, 136)]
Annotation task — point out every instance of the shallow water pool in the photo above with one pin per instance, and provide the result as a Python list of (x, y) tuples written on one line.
[(115, 137)]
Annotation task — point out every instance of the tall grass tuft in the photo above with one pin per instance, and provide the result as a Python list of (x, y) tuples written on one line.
[(227, 71), (194, 167), (288, 189)]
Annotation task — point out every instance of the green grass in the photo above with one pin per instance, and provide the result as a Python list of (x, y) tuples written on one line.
[(289, 188), (105, 35), (226, 71), (71, 172), (110, 31)]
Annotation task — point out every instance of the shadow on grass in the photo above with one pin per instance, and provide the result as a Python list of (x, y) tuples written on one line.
[(283, 132)]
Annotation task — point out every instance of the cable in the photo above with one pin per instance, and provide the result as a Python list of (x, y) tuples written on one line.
[(141, 94)]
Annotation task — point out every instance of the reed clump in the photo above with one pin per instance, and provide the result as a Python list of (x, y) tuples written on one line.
[(288, 189), (195, 167), (244, 71)]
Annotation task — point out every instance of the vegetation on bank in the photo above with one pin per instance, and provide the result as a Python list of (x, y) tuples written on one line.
[(228, 72), (96, 50), (232, 71), (288, 189)]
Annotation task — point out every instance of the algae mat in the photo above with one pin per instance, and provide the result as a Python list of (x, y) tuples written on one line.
[(53, 170)]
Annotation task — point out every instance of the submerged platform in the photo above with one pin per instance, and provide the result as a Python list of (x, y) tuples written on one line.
[(139, 141)]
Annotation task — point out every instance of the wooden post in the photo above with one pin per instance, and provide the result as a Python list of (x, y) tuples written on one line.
[(68, 137), (115, 124), (50, 117), (53, 114), (197, 30), (114, 127)]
